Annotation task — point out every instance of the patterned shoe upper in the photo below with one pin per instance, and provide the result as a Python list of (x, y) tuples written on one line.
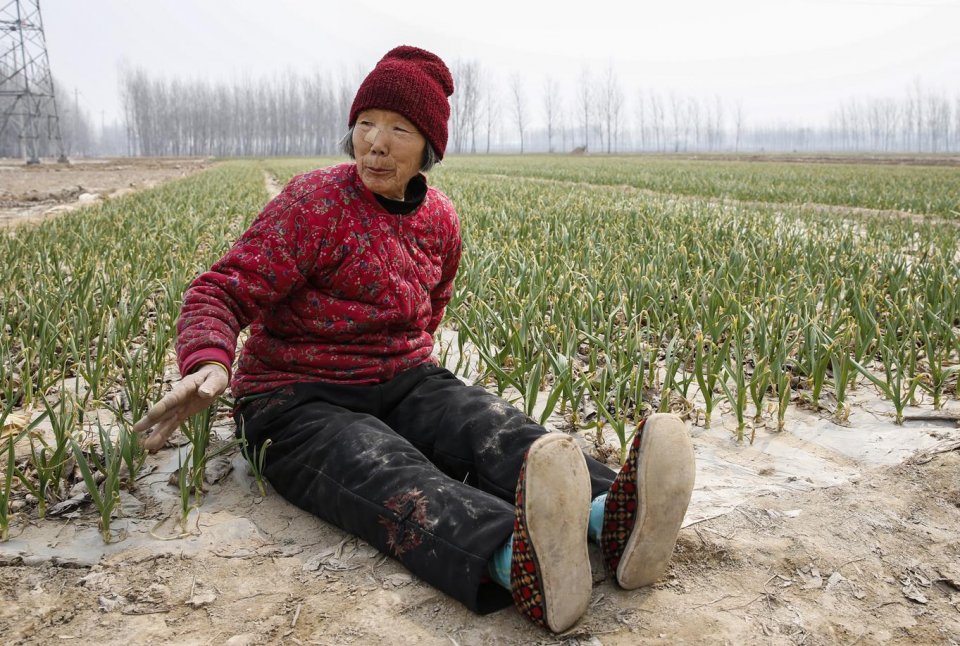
[(622, 507)]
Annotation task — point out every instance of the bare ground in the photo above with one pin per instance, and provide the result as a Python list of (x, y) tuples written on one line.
[(32, 193), (873, 560)]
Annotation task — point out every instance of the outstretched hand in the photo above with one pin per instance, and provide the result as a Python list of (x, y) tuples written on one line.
[(189, 396)]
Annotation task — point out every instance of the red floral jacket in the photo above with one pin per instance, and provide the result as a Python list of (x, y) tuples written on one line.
[(333, 287)]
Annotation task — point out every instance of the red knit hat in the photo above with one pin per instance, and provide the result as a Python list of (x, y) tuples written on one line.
[(415, 83)]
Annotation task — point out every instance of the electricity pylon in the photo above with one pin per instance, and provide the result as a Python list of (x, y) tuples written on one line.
[(26, 85)]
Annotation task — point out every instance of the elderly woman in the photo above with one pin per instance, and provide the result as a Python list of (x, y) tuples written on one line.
[(343, 280)]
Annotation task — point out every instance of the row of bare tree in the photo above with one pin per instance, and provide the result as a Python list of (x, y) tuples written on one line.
[(921, 121), (306, 114), (291, 114), (598, 119)]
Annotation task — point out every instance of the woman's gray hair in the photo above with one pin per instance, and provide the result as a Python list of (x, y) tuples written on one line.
[(430, 158)]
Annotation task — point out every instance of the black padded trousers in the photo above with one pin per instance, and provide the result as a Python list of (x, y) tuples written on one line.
[(422, 467)]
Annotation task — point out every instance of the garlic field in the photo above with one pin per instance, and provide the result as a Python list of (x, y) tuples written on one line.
[(596, 289)]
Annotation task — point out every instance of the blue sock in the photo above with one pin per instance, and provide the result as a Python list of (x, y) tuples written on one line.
[(595, 528), (502, 559), (499, 567)]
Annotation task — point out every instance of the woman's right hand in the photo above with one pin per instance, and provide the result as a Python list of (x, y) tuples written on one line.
[(189, 396)]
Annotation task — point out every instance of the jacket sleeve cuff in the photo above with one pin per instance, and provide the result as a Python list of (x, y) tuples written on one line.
[(207, 355)]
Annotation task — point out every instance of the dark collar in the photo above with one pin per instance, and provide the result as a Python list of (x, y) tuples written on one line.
[(416, 191)]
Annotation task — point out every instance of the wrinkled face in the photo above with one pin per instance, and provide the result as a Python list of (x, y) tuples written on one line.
[(389, 151)]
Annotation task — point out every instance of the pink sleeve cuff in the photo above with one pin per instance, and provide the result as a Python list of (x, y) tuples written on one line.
[(207, 355)]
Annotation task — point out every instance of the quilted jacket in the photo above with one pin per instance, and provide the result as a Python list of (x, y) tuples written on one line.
[(333, 287)]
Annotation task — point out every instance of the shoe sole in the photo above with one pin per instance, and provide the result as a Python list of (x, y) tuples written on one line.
[(666, 473), (557, 489)]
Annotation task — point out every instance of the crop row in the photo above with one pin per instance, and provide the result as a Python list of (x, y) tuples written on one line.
[(586, 300), (87, 308), (917, 189)]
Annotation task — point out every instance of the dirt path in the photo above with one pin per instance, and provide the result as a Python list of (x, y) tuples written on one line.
[(272, 184), (729, 201), (891, 159)]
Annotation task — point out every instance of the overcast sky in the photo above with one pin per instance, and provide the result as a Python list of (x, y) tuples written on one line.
[(791, 60)]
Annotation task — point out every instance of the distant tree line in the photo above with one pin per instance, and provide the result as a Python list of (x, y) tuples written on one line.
[(306, 114), (289, 114), (297, 113), (921, 121), (596, 116)]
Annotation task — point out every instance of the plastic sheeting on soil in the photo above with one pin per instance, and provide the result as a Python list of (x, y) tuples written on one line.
[(813, 452)]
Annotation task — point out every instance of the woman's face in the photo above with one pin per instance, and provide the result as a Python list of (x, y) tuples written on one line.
[(389, 151)]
